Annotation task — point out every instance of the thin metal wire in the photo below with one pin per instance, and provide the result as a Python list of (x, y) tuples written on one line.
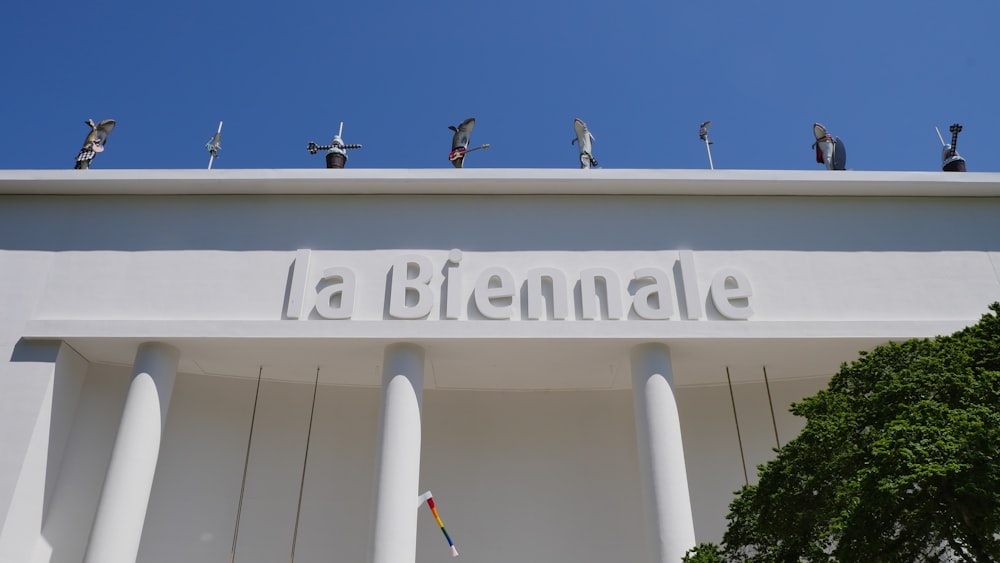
[(739, 437), (305, 461), (770, 403), (246, 463)]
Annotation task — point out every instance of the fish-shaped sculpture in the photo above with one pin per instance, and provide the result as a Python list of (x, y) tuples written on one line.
[(460, 141), (830, 150), (585, 142)]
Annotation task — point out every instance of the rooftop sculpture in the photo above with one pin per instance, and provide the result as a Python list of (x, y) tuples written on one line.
[(336, 151), (94, 143), (460, 142)]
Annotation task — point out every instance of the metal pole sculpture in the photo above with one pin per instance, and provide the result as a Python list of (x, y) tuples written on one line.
[(460, 142), (703, 135), (336, 155), (584, 141), (430, 504), (214, 145), (951, 161), (830, 150), (94, 143)]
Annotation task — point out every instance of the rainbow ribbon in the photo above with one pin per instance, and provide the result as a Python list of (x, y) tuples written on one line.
[(430, 503)]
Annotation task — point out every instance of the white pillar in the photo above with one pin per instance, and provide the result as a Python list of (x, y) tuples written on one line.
[(397, 475), (121, 512), (661, 454)]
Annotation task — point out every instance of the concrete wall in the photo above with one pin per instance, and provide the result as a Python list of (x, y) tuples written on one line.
[(497, 223), (184, 257)]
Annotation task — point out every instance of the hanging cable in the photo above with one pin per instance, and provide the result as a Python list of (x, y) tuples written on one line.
[(246, 464), (770, 403), (305, 461), (736, 419)]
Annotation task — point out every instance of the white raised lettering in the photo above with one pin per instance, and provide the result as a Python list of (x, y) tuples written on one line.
[(453, 286), (731, 294), (487, 291), (659, 288), (343, 286), (689, 279), (589, 294), (410, 297), (297, 285), (419, 288), (559, 300)]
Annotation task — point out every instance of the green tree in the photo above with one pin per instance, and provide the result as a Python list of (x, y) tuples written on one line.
[(704, 553), (899, 461)]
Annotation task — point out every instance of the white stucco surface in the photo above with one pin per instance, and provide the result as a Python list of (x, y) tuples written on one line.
[(760, 283)]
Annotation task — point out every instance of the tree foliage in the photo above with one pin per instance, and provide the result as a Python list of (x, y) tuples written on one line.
[(704, 553), (899, 461)]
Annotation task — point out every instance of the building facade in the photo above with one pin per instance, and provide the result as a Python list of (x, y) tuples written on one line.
[(582, 365)]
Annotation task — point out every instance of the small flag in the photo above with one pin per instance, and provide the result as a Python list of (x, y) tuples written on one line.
[(430, 503)]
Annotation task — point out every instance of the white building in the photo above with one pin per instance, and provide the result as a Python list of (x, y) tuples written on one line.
[(581, 365)]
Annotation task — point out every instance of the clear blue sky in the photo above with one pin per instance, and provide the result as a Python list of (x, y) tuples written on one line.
[(643, 75)]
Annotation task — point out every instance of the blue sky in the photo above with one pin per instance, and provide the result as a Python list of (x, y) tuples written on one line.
[(642, 74)]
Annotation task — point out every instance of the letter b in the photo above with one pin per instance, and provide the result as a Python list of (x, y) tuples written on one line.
[(411, 297)]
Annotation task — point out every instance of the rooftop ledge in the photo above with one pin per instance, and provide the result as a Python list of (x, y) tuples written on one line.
[(500, 181)]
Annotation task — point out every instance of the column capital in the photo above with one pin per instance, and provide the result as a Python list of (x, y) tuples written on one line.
[(651, 358), (158, 349)]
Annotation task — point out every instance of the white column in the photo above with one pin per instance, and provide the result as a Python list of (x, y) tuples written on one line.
[(661, 454), (121, 512), (397, 474)]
